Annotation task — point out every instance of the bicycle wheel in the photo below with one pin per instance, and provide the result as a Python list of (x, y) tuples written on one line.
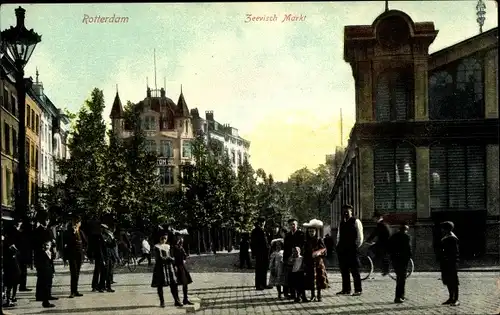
[(132, 264), (365, 267), (411, 268)]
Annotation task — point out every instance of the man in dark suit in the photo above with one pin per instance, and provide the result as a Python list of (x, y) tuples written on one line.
[(73, 251), (294, 238), (42, 236), (23, 244), (260, 250), (399, 248), (382, 232)]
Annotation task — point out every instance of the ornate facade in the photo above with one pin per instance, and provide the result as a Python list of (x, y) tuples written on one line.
[(424, 147)]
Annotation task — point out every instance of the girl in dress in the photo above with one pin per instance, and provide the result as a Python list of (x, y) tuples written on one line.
[(316, 278), (276, 265), (163, 271), (183, 276)]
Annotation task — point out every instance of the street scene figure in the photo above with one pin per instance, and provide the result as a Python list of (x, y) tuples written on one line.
[(382, 233), (164, 274), (449, 262), (260, 250), (316, 278), (244, 251), (349, 239), (296, 280), (110, 255), (146, 251), (399, 248), (294, 238), (73, 252), (45, 274), (11, 269), (182, 273), (43, 238), (276, 266)]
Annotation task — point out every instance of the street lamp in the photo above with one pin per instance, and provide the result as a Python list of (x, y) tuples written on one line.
[(19, 43)]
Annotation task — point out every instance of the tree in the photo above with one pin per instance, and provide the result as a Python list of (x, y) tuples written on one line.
[(84, 186)]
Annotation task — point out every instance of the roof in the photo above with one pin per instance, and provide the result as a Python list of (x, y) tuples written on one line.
[(117, 109), (182, 106)]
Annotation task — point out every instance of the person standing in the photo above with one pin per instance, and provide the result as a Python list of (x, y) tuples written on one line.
[(97, 253), (182, 274), (146, 251), (41, 237), (382, 232), (449, 262), (244, 254), (11, 268), (25, 255), (316, 278), (109, 258), (163, 271), (260, 250), (44, 274), (74, 244), (399, 248), (276, 265), (294, 238), (349, 239)]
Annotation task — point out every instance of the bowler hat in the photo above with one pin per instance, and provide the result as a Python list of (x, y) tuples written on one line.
[(448, 225)]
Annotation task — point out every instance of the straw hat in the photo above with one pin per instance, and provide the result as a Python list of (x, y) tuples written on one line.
[(314, 223)]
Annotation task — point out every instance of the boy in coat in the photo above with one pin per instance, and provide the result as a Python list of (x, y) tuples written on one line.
[(45, 273), (400, 253)]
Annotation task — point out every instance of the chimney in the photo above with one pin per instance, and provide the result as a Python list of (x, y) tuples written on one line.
[(209, 115), (162, 92), (148, 92)]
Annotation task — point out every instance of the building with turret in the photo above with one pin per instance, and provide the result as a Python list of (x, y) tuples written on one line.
[(424, 148), (168, 130), (227, 137)]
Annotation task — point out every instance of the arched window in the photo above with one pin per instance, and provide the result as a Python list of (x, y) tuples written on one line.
[(393, 99), (470, 88), (457, 179), (394, 171)]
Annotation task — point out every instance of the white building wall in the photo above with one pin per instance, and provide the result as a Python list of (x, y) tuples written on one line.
[(46, 172)]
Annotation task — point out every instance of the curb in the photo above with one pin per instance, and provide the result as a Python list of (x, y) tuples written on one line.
[(439, 270)]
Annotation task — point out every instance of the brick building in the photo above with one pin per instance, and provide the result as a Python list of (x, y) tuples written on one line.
[(424, 147)]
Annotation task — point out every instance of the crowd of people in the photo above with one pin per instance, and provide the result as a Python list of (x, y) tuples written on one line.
[(27, 247), (295, 258)]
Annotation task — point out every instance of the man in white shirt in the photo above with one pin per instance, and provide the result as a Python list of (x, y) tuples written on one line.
[(146, 251), (349, 239)]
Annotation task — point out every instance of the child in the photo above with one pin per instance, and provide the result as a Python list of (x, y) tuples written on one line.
[(183, 276), (276, 265), (449, 262), (163, 271), (297, 275), (244, 254), (45, 273), (400, 253)]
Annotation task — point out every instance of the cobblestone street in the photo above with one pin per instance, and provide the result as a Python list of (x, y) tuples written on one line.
[(233, 293)]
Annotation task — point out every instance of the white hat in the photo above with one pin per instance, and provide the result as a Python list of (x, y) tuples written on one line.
[(314, 223), (277, 240), (307, 224)]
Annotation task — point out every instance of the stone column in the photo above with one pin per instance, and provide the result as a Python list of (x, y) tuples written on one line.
[(421, 93), (366, 197), (422, 183), (364, 108), (492, 181), (490, 84)]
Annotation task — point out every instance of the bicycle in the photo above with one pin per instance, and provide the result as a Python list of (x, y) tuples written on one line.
[(411, 268), (368, 264), (128, 260), (365, 265)]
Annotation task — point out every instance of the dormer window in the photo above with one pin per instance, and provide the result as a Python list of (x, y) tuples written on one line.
[(393, 98), (149, 123)]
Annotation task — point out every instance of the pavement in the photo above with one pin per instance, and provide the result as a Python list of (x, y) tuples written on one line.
[(230, 291)]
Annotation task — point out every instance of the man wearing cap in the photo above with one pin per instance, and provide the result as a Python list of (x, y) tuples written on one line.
[(449, 262), (349, 239), (260, 250), (294, 238), (73, 249), (41, 236)]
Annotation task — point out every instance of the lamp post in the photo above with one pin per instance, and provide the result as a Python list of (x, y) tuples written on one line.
[(19, 44)]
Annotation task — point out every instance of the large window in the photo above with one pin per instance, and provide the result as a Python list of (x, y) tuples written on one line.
[(167, 175), (14, 142), (166, 149), (9, 191), (394, 178), (457, 92), (186, 149), (457, 177), (393, 96), (151, 146), (6, 100), (149, 123), (6, 138)]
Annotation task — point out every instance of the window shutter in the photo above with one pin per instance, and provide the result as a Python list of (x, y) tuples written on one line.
[(401, 97), (383, 172), (476, 189), (383, 99), (405, 187), (438, 177), (457, 178)]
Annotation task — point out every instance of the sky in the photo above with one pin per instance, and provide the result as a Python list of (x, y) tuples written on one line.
[(282, 84)]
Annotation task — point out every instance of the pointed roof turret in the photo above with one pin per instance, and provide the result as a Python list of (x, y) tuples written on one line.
[(182, 106), (117, 109)]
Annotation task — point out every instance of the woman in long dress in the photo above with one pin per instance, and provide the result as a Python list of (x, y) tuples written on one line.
[(316, 278), (164, 272), (183, 276)]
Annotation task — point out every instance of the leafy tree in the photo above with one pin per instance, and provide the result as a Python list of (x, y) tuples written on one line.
[(84, 186), (245, 207)]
